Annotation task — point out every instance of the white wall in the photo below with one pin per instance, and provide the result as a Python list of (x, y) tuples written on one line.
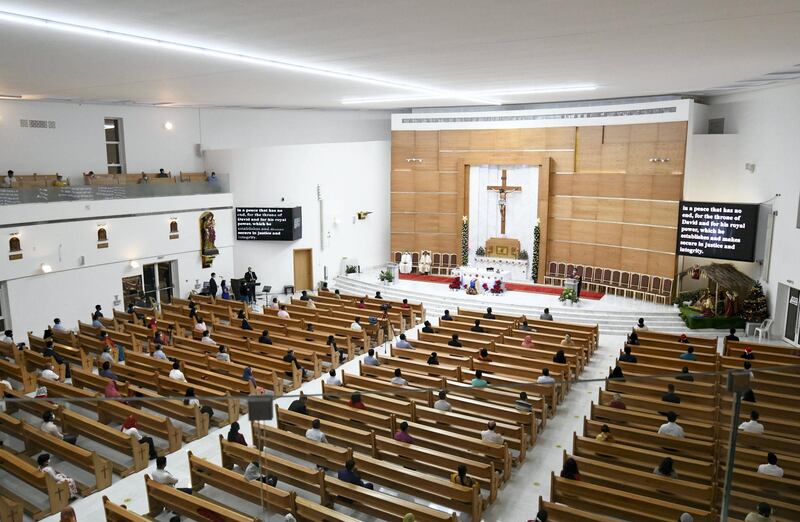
[(767, 123), (77, 144), (60, 233), (352, 177)]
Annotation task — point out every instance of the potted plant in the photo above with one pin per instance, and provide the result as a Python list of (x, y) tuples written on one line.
[(350, 269), (480, 251), (568, 295), (386, 276)]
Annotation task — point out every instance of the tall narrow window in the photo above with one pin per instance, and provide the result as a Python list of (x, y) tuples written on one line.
[(115, 152)]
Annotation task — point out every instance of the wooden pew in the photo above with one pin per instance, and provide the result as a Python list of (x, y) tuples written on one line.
[(172, 408), (161, 497), (117, 513), (25, 471), (227, 406), (735, 348), (694, 340), (650, 439), (10, 511), (643, 420), (18, 373), (560, 513)]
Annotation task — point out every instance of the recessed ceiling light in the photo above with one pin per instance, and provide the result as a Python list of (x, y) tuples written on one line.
[(168, 125)]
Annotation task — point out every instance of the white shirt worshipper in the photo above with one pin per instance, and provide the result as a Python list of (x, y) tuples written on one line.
[(490, 435), (752, 426), (673, 429), (314, 433), (333, 379), (49, 374), (355, 326)]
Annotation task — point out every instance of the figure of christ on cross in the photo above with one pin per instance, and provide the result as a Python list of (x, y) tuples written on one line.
[(504, 189)]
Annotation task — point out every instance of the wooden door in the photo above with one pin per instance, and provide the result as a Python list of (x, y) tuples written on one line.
[(303, 269)]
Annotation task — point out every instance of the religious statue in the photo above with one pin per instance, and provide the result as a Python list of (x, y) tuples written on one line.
[(405, 263), (208, 236), (425, 262), (503, 246), (730, 303)]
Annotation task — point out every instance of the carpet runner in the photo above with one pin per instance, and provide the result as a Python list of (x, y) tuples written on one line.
[(512, 287)]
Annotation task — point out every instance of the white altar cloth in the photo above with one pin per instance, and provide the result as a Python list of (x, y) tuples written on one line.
[(517, 269), (467, 273)]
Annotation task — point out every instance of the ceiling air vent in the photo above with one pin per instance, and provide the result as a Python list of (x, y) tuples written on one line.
[(37, 124)]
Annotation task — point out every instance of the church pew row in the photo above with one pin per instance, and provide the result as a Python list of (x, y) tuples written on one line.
[(25, 471), (735, 348), (693, 340), (575, 329), (560, 513), (161, 497), (646, 349), (10, 511), (117, 513), (19, 374), (418, 309)]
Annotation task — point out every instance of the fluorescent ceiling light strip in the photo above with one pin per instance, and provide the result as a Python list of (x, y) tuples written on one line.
[(232, 56), (481, 94)]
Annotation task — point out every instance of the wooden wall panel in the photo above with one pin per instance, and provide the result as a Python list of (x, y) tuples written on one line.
[(402, 148), (453, 140), (426, 148), (426, 181), (403, 202), (402, 181), (402, 222)]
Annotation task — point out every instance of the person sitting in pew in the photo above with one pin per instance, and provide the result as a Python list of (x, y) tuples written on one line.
[(671, 427), (337, 295), (752, 425), (350, 475), (47, 373), (275, 305), (748, 354), (666, 469), (356, 324), (234, 435), (253, 472), (616, 402), (206, 339), (130, 427), (50, 427), (546, 315), (264, 337), (159, 338), (361, 303), (685, 375), (627, 356), (454, 342), (604, 435), (331, 341), (162, 476), (190, 399), (671, 396), (460, 477), (68, 515), (223, 355), (111, 391), (522, 404), (158, 353), (299, 405), (106, 372), (683, 339), (176, 373), (199, 325), (688, 355), (446, 316), (403, 343), (314, 433), (370, 359), (570, 470), (8, 337), (763, 513), (43, 461), (490, 434), (427, 328), (57, 326), (402, 434), (525, 327), (478, 328), (633, 337), (617, 373), (559, 357), (527, 342), (567, 341), (356, 401), (640, 325), (749, 395), (96, 323), (545, 378), (246, 324), (290, 357), (433, 358), (304, 296), (332, 379), (483, 355), (685, 517), (398, 378), (489, 314), (771, 467), (478, 381), (541, 516), (378, 295), (106, 356), (282, 313), (732, 336), (442, 404)]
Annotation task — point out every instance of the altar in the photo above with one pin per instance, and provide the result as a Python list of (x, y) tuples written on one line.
[(484, 276), (517, 269)]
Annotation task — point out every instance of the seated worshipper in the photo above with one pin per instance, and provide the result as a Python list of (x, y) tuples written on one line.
[(522, 403), (560, 358), (427, 328), (190, 399), (683, 339), (666, 469), (748, 395), (398, 378), (60, 181), (314, 433), (275, 305), (299, 405), (747, 365), (546, 316), (50, 427), (162, 174), (763, 513), (483, 355), (48, 373), (223, 355), (96, 321), (378, 295), (337, 295), (567, 341), (105, 371), (671, 427), (356, 324), (527, 342), (130, 427), (627, 356), (478, 381), (361, 303), (350, 475), (441, 404), (490, 434), (477, 328), (616, 402), (616, 373), (332, 379), (158, 353), (732, 335), (162, 476), (43, 461), (640, 324), (633, 337), (370, 359), (304, 296), (207, 338), (525, 326), (264, 337), (604, 435), (57, 326), (175, 373), (433, 358), (454, 342), (685, 375), (282, 313), (752, 425), (403, 342), (460, 477), (199, 325), (111, 391), (234, 435), (10, 181), (246, 324), (771, 467), (253, 473), (570, 470), (446, 316), (545, 378), (356, 401), (310, 304), (402, 433), (8, 337), (405, 305), (108, 341), (331, 341), (291, 358), (748, 354), (106, 356), (489, 314), (671, 396), (98, 311), (688, 355)]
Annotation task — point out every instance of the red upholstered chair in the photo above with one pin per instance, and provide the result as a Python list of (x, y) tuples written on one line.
[(588, 281), (415, 262), (436, 263), (397, 257), (549, 276)]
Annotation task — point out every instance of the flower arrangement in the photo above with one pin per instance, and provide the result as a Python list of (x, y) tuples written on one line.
[(455, 284), (485, 287), (480, 251), (498, 287), (523, 255), (350, 269), (464, 240), (386, 276), (568, 295)]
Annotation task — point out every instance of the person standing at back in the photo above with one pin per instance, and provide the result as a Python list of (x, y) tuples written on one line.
[(212, 285)]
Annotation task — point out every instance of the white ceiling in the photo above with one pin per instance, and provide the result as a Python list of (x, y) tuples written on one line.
[(625, 47)]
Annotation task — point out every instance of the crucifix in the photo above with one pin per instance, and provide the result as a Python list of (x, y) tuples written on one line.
[(504, 189)]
